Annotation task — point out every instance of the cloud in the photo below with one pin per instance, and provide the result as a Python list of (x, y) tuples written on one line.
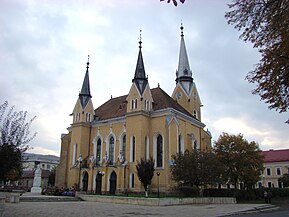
[(41, 150), (44, 47)]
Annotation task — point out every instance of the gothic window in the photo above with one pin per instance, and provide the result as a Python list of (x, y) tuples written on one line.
[(133, 149), (159, 151), (123, 146), (132, 104), (111, 150), (135, 104), (147, 105), (195, 144), (146, 148), (180, 144), (195, 113), (98, 150), (77, 117), (185, 72), (132, 180)]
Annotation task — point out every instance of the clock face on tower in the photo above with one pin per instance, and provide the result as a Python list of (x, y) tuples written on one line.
[(178, 95)]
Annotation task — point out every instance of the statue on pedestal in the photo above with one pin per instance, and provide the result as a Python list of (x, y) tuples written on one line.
[(37, 180)]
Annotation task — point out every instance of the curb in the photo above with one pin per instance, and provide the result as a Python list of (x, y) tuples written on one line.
[(261, 208)]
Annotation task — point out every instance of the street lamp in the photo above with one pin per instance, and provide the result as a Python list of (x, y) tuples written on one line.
[(80, 162), (158, 174)]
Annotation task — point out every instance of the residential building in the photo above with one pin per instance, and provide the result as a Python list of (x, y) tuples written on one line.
[(276, 163), (47, 162)]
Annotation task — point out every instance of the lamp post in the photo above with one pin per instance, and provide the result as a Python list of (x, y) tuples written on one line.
[(158, 175), (80, 162)]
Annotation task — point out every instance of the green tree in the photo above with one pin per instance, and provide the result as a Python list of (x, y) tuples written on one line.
[(285, 180), (51, 177), (14, 139), (145, 171), (242, 160), (266, 25), (195, 168)]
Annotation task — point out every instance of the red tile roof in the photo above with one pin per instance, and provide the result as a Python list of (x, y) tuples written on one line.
[(116, 107), (30, 174), (276, 155)]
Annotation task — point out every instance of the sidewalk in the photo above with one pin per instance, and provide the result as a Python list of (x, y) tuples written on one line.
[(88, 209)]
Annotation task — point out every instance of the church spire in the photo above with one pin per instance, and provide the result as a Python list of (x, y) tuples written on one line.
[(84, 94), (184, 73), (140, 78)]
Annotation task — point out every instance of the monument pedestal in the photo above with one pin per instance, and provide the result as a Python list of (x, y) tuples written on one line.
[(36, 190)]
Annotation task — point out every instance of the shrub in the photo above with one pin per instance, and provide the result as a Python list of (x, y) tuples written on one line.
[(187, 191)]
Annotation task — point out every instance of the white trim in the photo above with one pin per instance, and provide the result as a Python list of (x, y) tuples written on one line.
[(74, 154), (280, 171)]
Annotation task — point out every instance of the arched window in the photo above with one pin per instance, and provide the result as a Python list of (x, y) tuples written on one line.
[(98, 150), (195, 113), (195, 144), (180, 144), (146, 147), (132, 180), (133, 149), (123, 147), (135, 104), (159, 151), (111, 150)]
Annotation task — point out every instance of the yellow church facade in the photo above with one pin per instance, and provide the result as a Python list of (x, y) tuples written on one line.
[(103, 145)]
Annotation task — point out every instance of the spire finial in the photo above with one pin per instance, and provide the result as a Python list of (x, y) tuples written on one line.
[(140, 39), (182, 28), (87, 64)]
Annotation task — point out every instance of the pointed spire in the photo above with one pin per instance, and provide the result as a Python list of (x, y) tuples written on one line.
[(84, 94), (140, 78), (184, 73)]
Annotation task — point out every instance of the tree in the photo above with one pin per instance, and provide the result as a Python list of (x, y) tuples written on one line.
[(285, 180), (242, 160), (51, 177), (14, 139), (145, 171), (175, 1), (266, 25), (195, 168)]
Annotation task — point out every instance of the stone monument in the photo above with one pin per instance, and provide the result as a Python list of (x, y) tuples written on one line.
[(37, 181)]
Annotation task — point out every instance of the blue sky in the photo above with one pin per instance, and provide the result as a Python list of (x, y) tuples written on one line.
[(44, 47)]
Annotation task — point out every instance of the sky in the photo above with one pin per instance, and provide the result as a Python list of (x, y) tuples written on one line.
[(44, 47)]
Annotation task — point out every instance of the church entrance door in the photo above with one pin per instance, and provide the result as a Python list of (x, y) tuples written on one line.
[(112, 183), (98, 181), (85, 181)]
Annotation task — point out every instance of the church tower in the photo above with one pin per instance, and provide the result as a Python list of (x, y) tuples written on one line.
[(83, 110), (139, 97), (185, 92)]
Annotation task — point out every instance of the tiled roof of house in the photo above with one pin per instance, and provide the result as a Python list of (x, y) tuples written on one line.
[(117, 107), (30, 174), (276, 155)]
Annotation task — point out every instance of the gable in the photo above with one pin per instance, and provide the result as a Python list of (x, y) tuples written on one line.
[(117, 107)]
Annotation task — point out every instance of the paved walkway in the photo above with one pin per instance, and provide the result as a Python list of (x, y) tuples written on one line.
[(89, 209)]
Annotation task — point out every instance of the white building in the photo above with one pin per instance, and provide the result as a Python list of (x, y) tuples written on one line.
[(47, 162)]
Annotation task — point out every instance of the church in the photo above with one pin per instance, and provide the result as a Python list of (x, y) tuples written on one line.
[(103, 145)]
